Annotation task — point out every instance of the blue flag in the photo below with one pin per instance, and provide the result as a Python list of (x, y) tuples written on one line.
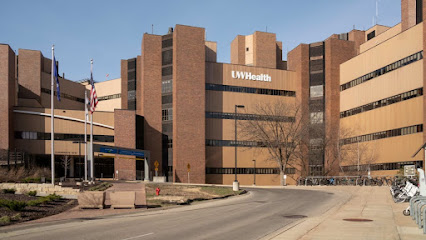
[(58, 92)]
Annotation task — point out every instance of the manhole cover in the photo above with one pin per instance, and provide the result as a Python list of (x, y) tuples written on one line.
[(294, 216), (357, 220)]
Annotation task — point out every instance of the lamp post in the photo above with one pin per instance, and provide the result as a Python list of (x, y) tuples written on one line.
[(254, 173), (235, 185)]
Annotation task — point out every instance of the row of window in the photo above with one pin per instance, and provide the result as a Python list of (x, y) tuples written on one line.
[(64, 95), (109, 97), (228, 88), (167, 114), (239, 116), (403, 62), (382, 103), (382, 166), (384, 134), (61, 136), (248, 170), (231, 143)]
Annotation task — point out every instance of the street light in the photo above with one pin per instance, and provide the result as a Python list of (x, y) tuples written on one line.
[(254, 173), (235, 185)]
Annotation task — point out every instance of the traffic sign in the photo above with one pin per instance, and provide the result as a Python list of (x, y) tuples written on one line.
[(156, 164), (189, 167)]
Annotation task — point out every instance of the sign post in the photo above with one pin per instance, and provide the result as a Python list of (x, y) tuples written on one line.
[(189, 169), (156, 164)]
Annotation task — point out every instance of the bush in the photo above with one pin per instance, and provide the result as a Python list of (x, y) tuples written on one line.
[(32, 180), (9, 190), (42, 200), (32, 193), (13, 204), (4, 220)]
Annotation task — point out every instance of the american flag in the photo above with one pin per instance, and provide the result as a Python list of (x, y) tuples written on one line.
[(93, 96)]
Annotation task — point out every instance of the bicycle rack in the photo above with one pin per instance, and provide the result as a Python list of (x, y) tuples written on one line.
[(418, 203)]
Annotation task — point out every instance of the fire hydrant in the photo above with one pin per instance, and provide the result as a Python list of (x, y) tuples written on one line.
[(157, 191)]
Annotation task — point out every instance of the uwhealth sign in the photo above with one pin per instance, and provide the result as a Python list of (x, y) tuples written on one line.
[(250, 76)]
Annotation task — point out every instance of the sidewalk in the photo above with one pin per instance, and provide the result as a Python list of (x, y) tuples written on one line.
[(385, 218)]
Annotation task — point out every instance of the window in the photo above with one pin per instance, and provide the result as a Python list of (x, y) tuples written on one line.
[(384, 102), (165, 99), (167, 57), (248, 170), (247, 49), (131, 95), (371, 35), (167, 71), (384, 134), (240, 116), (317, 91), (167, 127), (61, 136), (166, 86), (229, 88), (167, 43), (317, 117), (403, 62), (167, 114), (118, 95)]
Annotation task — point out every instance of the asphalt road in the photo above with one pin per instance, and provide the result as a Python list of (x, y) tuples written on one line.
[(250, 216)]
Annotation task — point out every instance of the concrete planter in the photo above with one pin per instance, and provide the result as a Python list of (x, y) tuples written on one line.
[(122, 199), (91, 199)]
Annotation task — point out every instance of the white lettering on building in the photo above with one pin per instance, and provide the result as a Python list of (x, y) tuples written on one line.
[(249, 76)]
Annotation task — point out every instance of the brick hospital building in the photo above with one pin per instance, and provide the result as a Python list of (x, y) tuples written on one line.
[(177, 102)]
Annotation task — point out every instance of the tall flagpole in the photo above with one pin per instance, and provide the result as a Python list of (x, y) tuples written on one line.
[(91, 133), (85, 134), (52, 134)]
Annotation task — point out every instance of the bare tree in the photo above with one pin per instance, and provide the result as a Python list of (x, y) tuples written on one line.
[(359, 156), (66, 161), (278, 127)]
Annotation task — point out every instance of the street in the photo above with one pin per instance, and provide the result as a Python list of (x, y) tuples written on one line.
[(250, 216)]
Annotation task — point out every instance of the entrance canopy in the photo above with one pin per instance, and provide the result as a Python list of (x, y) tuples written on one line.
[(139, 154), (119, 150)]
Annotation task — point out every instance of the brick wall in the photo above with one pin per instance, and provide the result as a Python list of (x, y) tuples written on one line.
[(189, 104), (408, 14), (125, 136), (29, 74), (264, 50), (7, 98), (238, 50), (336, 52), (150, 99)]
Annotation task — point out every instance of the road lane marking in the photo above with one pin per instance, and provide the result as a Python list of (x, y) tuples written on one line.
[(143, 235)]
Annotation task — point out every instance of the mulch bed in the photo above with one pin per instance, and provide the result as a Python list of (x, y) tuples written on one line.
[(35, 212)]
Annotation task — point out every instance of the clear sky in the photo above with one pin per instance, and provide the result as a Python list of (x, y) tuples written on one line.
[(110, 30)]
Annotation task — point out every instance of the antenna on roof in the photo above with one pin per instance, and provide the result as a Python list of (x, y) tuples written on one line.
[(377, 12), (266, 28), (152, 28)]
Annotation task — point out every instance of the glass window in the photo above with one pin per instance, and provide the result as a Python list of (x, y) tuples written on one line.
[(317, 91)]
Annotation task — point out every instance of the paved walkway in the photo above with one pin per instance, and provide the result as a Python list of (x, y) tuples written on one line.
[(372, 203)]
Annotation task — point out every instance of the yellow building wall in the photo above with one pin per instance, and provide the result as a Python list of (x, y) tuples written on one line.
[(35, 123), (397, 115), (224, 129), (385, 35), (396, 48)]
